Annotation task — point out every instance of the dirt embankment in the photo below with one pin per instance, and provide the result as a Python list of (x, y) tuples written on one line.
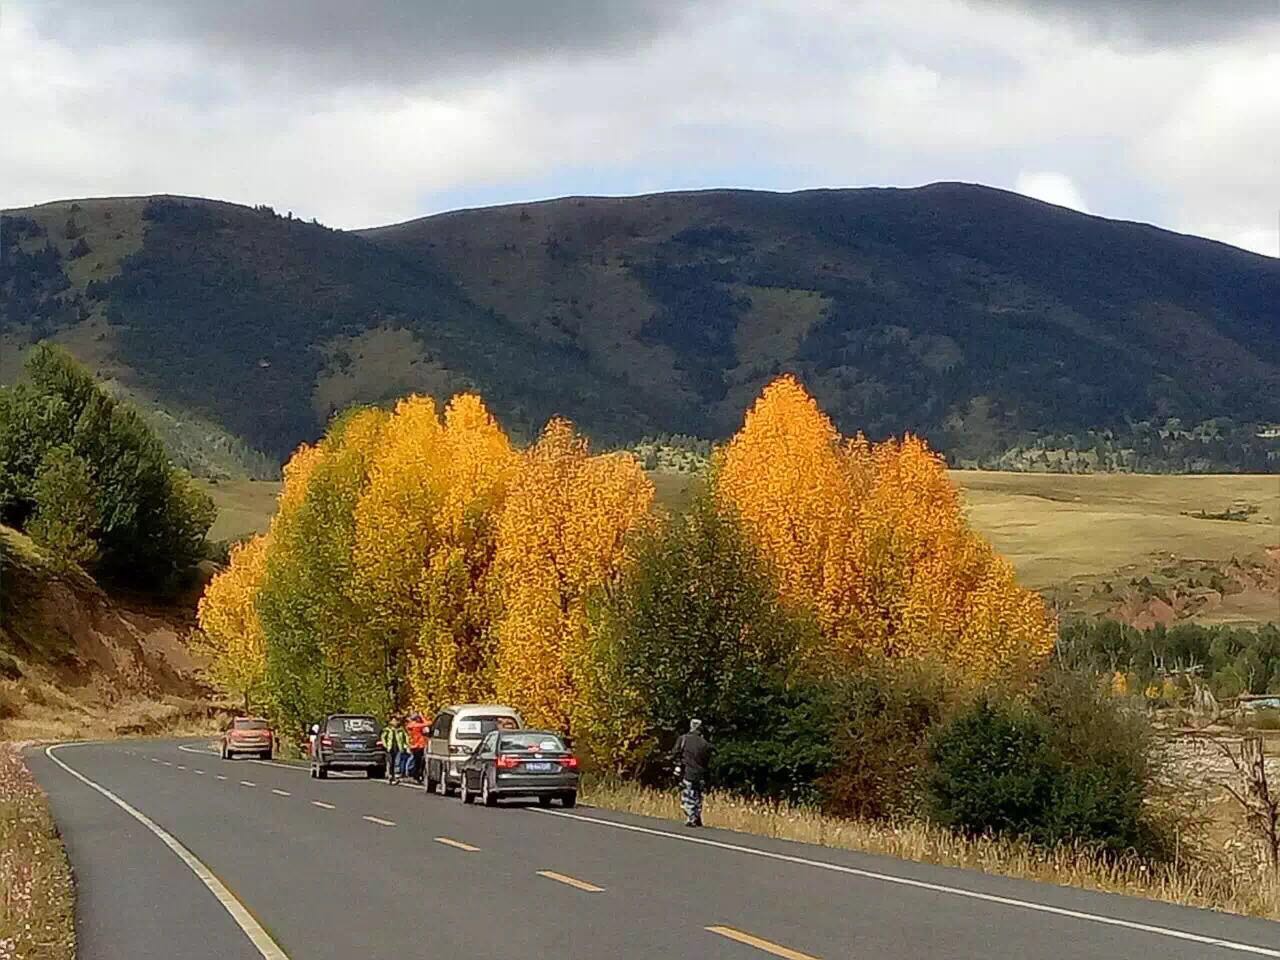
[(78, 662)]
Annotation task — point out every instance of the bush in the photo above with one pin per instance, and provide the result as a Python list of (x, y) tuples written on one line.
[(66, 515), (880, 721), (1071, 765)]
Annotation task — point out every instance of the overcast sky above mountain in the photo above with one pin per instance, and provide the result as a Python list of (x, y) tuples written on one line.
[(368, 112)]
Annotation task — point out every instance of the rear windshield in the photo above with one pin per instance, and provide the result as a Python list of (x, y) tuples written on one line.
[(473, 728), (251, 725), (531, 743), (352, 725)]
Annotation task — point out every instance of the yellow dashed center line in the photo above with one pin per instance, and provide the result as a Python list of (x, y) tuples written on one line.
[(322, 805), (380, 822), (458, 844), (774, 948), (570, 881)]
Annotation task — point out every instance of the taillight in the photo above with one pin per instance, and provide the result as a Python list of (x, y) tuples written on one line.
[(507, 763), (569, 763), (326, 741)]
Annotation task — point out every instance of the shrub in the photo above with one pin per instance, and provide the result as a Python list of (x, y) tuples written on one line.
[(1071, 765), (880, 722)]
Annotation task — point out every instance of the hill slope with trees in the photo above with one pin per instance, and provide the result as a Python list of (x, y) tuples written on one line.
[(1009, 332)]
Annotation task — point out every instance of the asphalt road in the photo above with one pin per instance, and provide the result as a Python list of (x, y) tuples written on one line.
[(349, 868)]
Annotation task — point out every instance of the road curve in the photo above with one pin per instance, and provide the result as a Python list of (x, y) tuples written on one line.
[(159, 831)]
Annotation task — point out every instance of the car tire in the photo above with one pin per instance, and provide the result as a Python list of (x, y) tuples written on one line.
[(311, 770), (377, 773), (431, 784), (322, 772), (265, 755), (487, 796), (464, 794), (544, 801), (570, 799)]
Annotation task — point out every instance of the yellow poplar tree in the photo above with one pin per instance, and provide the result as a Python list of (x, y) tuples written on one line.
[(563, 532), (872, 538), (231, 632), (395, 520), (451, 660)]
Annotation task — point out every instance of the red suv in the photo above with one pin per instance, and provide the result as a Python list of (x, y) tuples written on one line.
[(248, 735)]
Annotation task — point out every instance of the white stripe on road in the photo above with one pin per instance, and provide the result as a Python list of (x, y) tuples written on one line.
[(281, 793), (198, 772), (247, 783), (220, 776), (457, 844), (380, 822), (934, 887), (181, 767), (322, 805), (259, 937), (570, 881)]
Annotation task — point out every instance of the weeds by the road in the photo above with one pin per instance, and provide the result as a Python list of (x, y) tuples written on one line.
[(1215, 881), (37, 899), (36, 710)]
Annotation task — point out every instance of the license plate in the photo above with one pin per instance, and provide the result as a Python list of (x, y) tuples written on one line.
[(539, 767), (355, 745)]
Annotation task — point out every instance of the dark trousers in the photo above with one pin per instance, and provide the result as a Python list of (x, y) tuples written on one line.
[(417, 765), (393, 764)]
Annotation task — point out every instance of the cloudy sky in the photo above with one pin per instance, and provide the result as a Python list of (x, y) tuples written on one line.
[(361, 112)]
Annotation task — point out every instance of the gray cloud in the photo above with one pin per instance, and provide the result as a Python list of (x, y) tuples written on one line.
[(348, 42), (1156, 22)]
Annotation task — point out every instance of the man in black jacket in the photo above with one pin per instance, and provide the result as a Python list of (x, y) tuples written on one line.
[(692, 756)]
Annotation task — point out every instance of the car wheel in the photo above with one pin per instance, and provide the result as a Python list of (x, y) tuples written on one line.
[(265, 755), (431, 784), (311, 770), (464, 794), (377, 773), (544, 801), (487, 796), (322, 772), (570, 799)]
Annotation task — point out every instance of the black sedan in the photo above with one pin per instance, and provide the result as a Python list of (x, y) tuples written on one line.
[(520, 763)]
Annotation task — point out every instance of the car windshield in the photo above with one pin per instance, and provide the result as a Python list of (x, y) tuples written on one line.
[(531, 743), (473, 728), (251, 725), (353, 725)]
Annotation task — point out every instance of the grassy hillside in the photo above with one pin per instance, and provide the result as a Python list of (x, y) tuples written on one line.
[(1007, 330)]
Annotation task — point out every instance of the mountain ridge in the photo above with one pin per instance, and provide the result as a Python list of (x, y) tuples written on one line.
[(985, 320)]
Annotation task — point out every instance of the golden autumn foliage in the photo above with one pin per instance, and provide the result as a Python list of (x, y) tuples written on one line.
[(232, 634), (563, 531), (872, 538), (418, 559), (452, 657)]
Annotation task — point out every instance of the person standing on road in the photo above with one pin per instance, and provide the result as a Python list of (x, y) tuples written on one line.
[(417, 728), (692, 756), (396, 743)]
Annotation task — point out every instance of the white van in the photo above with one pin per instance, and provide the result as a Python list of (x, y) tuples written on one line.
[(454, 734)]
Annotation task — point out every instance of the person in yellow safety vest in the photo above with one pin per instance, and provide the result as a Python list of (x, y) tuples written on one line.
[(396, 742)]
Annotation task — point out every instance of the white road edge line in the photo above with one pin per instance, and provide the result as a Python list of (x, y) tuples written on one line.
[(935, 887), (259, 937)]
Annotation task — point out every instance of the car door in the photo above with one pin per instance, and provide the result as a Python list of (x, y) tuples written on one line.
[(477, 766)]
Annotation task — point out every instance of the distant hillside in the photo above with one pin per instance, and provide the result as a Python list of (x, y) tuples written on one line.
[(1005, 329)]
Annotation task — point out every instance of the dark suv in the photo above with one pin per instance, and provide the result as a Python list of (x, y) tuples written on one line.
[(348, 741)]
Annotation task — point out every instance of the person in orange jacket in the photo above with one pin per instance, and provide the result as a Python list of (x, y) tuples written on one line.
[(417, 730)]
